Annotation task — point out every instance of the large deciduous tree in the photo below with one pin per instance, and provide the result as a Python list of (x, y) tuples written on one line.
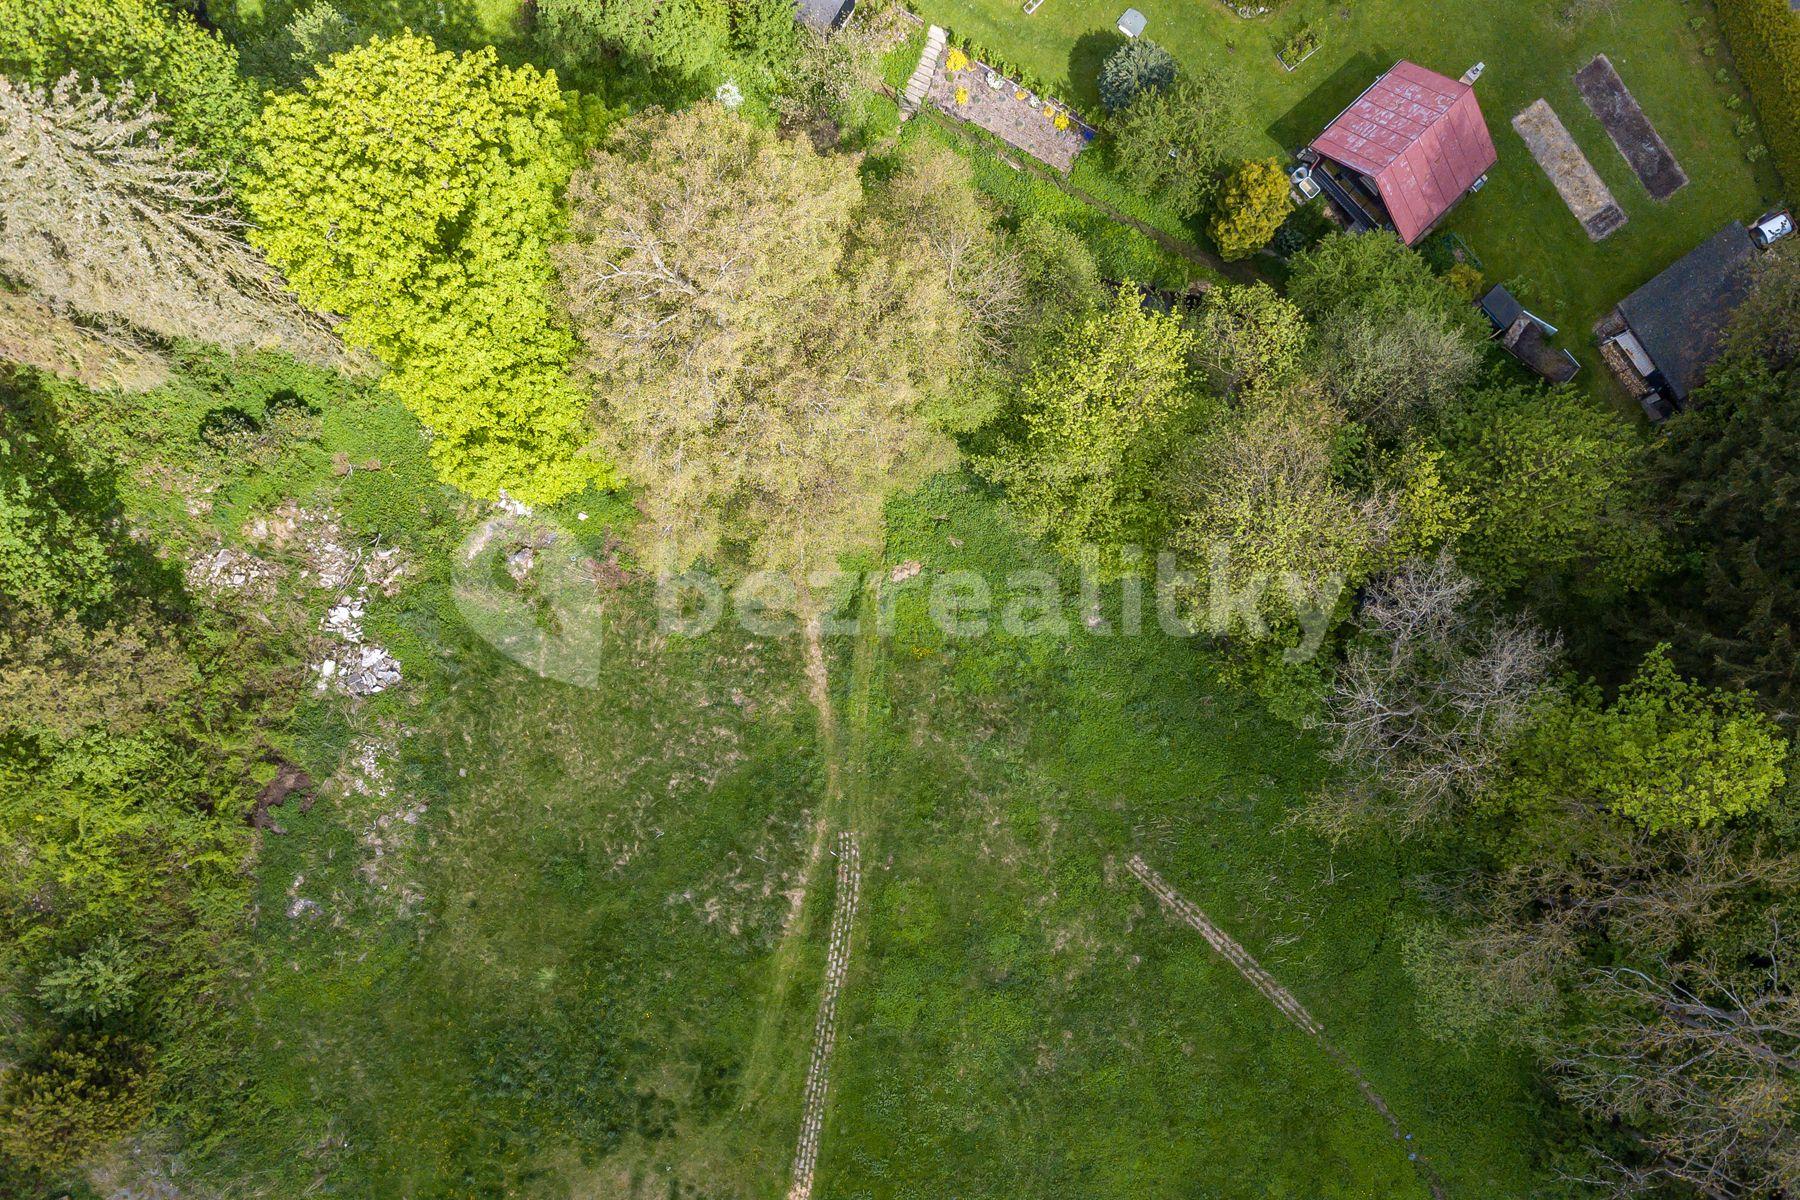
[(1084, 449), (1171, 143), (761, 342), (414, 191), (1426, 703), (1249, 338), (1395, 343), (1259, 508), (683, 37), (1668, 753), (101, 218)]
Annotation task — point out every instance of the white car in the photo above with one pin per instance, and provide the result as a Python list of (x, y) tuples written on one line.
[(1772, 228)]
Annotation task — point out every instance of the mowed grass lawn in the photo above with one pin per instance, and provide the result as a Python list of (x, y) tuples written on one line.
[(1517, 225)]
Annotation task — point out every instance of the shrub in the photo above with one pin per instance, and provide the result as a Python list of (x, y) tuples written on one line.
[(1304, 41), (1252, 206), (82, 1094), (1765, 39), (100, 982), (1133, 69)]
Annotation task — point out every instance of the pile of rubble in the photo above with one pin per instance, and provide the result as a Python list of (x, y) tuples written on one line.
[(325, 558), (350, 663), (229, 570)]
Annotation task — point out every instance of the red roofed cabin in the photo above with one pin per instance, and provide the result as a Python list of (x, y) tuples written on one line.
[(1405, 151)]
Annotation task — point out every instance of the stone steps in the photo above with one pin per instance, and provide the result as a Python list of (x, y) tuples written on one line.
[(920, 83)]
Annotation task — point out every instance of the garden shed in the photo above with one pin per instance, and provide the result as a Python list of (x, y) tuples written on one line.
[(1405, 151), (1668, 330)]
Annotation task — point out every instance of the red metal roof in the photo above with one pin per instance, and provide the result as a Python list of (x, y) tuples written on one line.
[(1420, 137)]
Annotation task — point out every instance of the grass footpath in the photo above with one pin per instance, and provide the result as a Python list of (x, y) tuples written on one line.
[(1518, 225)]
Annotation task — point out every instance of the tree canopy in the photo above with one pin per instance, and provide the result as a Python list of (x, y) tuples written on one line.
[(1086, 442), (758, 336), (137, 45), (1138, 66), (1172, 142), (414, 192)]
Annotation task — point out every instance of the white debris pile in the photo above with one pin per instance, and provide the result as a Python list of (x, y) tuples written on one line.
[(332, 561), (229, 570)]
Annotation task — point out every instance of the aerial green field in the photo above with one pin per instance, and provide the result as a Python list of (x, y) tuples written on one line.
[(1517, 225), (535, 936)]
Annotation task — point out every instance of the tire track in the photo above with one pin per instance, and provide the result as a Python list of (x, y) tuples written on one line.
[(837, 963), (1189, 914)]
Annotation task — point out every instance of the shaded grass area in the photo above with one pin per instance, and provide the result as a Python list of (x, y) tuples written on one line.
[(1517, 225), (1022, 1021)]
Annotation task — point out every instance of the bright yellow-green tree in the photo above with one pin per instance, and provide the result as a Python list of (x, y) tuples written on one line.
[(1251, 207), (1085, 448), (414, 192)]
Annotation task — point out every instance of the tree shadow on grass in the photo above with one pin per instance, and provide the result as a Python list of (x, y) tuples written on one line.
[(1302, 123), (1090, 50)]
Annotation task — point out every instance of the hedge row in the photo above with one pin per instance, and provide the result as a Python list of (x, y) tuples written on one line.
[(1765, 40)]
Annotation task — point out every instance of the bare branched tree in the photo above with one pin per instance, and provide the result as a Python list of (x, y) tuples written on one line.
[(103, 218), (1426, 700), (1701, 1068)]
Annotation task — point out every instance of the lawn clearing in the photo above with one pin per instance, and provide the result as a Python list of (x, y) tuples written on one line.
[(1517, 225), (1611, 101)]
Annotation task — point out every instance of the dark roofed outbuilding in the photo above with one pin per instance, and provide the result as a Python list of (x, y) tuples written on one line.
[(1526, 337), (1501, 307), (1678, 316)]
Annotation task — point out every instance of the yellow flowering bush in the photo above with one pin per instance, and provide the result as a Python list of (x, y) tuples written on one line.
[(1062, 120), (956, 61), (1020, 93), (962, 95)]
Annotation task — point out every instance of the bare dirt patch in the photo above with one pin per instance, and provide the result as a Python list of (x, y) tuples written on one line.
[(1630, 130), (1580, 187)]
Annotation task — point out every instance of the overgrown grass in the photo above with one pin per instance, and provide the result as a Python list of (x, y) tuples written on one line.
[(1517, 225), (541, 960), (1023, 1021)]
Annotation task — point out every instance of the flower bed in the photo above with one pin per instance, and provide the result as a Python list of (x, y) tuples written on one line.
[(1041, 126)]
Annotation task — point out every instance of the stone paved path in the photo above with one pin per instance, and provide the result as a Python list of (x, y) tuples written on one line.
[(1000, 111)]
